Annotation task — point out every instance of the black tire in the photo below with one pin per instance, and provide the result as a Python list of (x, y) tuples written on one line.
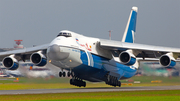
[(119, 84), (71, 82), (64, 74), (84, 84), (69, 74), (60, 74)]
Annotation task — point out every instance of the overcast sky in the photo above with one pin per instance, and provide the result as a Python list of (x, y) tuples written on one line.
[(38, 22)]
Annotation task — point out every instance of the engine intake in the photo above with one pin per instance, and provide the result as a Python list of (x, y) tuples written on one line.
[(38, 59), (167, 60), (127, 58), (10, 63)]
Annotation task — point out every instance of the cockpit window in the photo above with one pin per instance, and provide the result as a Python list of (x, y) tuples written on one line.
[(64, 34)]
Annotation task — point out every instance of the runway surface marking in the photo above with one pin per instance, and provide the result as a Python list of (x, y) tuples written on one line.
[(73, 90)]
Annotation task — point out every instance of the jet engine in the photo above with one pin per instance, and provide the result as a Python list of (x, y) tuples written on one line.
[(38, 59), (167, 60), (10, 62), (127, 57)]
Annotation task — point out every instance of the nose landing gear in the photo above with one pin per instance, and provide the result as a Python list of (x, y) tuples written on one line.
[(75, 80), (64, 74)]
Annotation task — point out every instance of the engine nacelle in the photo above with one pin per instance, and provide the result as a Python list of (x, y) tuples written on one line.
[(167, 60), (10, 62), (127, 58), (38, 59)]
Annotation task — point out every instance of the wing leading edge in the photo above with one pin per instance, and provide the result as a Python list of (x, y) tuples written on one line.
[(22, 54)]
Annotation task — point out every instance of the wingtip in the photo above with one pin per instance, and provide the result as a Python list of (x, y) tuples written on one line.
[(135, 8)]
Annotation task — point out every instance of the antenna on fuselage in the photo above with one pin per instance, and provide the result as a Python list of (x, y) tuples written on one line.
[(110, 34)]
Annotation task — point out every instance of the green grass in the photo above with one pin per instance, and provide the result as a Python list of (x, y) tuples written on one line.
[(148, 79), (57, 83), (165, 95)]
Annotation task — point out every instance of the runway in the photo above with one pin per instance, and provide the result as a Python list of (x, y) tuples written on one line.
[(73, 90)]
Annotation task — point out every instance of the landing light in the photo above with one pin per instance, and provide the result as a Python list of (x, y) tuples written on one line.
[(49, 61)]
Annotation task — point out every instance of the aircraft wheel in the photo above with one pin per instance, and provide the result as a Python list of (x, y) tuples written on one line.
[(69, 74), (84, 84), (108, 78), (71, 82), (64, 74), (119, 84), (60, 74)]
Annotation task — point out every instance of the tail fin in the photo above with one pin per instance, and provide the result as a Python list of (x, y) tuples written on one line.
[(130, 27)]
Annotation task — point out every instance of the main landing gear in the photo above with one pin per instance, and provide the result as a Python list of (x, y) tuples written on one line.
[(77, 82), (113, 81)]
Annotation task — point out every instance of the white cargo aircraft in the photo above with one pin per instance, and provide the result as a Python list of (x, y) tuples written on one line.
[(93, 59)]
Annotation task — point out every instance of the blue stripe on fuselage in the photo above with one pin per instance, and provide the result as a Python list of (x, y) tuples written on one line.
[(84, 57), (98, 70)]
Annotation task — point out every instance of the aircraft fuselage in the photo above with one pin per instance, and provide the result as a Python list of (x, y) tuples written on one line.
[(83, 56)]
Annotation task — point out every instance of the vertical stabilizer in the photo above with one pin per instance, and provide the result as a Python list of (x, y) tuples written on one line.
[(130, 27)]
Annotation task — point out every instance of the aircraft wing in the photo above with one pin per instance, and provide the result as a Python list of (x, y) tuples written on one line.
[(23, 54), (141, 50)]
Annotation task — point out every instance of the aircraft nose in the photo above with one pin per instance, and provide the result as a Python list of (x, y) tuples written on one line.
[(54, 48), (54, 52)]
